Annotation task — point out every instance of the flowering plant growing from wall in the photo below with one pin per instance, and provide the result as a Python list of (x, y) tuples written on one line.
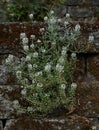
[(45, 72)]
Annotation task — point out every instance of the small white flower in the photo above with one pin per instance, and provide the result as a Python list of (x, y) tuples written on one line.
[(64, 48), (66, 23), (63, 52), (59, 20), (52, 20), (30, 109), (9, 59), (47, 95), (67, 15), (28, 58), (30, 66), (35, 54), (61, 60), (32, 46), (25, 80), (42, 29), (15, 103), (22, 86), (38, 41), (23, 92), (73, 55), (33, 81), (39, 85), (35, 66), (59, 68), (63, 86), (74, 85), (32, 36), (31, 16), (35, 94), (45, 18), (18, 74), (26, 47), (25, 40), (38, 73), (77, 27), (47, 67), (43, 50), (51, 12), (22, 35), (91, 38), (53, 43)]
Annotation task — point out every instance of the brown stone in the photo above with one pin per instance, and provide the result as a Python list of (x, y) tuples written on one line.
[(93, 66)]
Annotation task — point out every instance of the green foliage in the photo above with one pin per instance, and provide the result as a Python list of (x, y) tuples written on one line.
[(19, 10), (46, 70)]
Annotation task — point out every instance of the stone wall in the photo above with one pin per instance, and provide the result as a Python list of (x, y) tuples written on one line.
[(81, 11)]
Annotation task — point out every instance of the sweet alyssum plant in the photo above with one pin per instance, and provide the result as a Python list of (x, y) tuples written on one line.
[(45, 72)]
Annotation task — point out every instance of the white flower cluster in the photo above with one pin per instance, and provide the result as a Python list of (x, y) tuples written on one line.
[(9, 59), (67, 15), (91, 38), (63, 86), (73, 55), (31, 16), (77, 28), (22, 35), (35, 54), (48, 67), (30, 67), (59, 68), (32, 37), (19, 74), (61, 60), (38, 74), (39, 85), (28, 58), (74, 85), (24, 92), (64, 51), (25, 41)]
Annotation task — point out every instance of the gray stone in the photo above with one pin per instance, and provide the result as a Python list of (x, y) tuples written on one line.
[(77, 2), (80, 12), (3, 74), (1, 125), (9, 96)]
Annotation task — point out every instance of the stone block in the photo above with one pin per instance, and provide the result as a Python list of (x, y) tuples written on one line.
[(93, 66), (80, 69), (28, 123), (81, 12), (77, 2)]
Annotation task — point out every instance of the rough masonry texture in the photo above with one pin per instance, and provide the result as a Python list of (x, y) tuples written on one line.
[(84, 12)]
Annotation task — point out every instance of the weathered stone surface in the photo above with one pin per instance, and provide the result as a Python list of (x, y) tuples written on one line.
[(9, 96), (1, 125), (81, 12), (80, 73), (28, 123), (3, 74), (93, 66), (77, 2)]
